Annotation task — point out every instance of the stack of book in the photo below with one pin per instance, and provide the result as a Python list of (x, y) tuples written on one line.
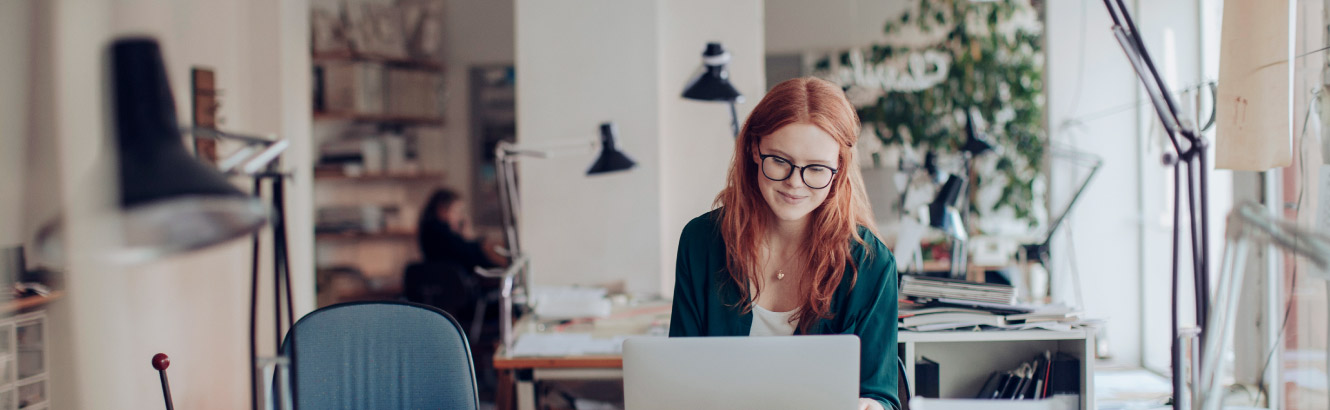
[(957, 291), (1044, 376)]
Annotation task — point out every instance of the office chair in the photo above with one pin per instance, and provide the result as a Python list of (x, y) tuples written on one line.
[(453, 289), (380, 355)]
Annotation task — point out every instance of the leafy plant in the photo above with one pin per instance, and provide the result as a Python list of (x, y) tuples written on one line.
[(996, 70)]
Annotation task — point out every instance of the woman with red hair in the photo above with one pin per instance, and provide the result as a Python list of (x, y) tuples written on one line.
[(791, 248)]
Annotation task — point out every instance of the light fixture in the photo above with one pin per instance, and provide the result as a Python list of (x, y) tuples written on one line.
[(516, 276), (943, 215), (168, 201), (712, 82)]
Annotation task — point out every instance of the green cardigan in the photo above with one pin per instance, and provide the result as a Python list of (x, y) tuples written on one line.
[(706, 300)]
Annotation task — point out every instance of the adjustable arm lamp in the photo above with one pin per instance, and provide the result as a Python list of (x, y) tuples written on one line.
[(1189, 150), (950, 207), (713, 82), (1038, 252), (506, 155), (171, 203), (1246, 223)]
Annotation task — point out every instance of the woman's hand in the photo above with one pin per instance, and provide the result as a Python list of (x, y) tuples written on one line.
[(869, 404)]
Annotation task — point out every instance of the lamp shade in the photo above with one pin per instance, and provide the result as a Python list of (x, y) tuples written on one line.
[(713, 82), (942, 212), (169, 201), (610, 159), (976, 142)]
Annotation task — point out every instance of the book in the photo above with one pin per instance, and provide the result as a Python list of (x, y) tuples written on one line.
[(959, 318), (993, 387), (926, 378)]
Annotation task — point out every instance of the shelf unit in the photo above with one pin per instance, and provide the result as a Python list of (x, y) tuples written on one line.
[(966, 358), (24, 353), (417, 64), (377, 118), (356, 236), (388, 177)]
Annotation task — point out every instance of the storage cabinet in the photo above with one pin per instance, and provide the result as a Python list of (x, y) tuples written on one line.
[(966, 358), (23, 362)]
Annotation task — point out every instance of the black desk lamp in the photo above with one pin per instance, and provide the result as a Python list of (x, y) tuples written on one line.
[(713, 82), (170, 203), (506, 155)]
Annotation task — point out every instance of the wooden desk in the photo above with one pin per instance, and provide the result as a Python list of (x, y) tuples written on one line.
[(518, 374)]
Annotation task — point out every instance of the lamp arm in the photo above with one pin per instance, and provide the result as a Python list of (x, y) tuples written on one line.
[(252, 159), (213, 134), (1252, 222), (550, 150), (1094, 169)]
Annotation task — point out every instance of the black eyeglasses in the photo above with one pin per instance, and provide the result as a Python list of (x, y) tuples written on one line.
[(777, 168)]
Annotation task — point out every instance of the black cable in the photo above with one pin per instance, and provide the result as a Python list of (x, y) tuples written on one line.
[(1293, 280)]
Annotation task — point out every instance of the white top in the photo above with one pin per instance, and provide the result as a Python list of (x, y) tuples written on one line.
[(768, 323)]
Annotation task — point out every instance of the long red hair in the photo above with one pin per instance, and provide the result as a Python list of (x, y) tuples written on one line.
[(745, 218)]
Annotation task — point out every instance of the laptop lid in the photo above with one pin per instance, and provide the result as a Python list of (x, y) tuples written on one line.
[(782, 372)]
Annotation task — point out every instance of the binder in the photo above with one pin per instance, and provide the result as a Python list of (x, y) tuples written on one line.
[(993, 387), (926, 378)]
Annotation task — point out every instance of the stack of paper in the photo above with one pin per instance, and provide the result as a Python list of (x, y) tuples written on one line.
[(566, 344), (925, 287)]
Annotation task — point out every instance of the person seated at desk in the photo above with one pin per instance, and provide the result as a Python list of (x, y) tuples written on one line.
[(791, 247), (446, 235)]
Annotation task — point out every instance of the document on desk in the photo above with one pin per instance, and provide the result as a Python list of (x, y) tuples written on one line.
[(566, 344)]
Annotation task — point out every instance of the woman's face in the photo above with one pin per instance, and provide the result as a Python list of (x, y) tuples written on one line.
[(790, 148), (452, 214)]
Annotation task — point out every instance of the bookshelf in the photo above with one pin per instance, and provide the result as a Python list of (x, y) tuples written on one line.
[(357, 236), (385, 177), (966, 358), (348, 56), (377, 118), (377, 93)]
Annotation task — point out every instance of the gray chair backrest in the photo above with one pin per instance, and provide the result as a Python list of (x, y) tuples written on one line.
[(380, 355)]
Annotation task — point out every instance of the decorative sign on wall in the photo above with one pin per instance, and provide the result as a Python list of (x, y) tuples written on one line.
[(1253, 110), (203, 90)]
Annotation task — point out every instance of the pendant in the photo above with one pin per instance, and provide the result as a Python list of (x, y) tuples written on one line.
[(780, 275)]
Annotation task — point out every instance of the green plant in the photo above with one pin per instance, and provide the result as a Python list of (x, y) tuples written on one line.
[(996, 69)]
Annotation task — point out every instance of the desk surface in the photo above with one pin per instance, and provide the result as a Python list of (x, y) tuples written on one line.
[(623, 321)]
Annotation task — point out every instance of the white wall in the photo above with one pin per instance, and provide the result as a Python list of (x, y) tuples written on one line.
[(696, 142), (585, 62), (193, 307), (580, 64), (476, 33), (13, 113), (1121, 230)]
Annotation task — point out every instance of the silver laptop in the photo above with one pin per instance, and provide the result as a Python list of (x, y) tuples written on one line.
[(785, 372)]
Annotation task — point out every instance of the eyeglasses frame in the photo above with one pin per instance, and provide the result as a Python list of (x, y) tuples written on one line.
[(762, 158)]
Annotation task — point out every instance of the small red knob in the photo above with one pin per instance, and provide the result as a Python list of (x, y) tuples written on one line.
[(160, 361)]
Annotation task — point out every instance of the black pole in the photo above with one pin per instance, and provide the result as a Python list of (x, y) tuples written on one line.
[(281, 246), (279, 221), (161, 362), (1200, 148), (1176, 349), (734, 119), (254, 311), (1197, 270)]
